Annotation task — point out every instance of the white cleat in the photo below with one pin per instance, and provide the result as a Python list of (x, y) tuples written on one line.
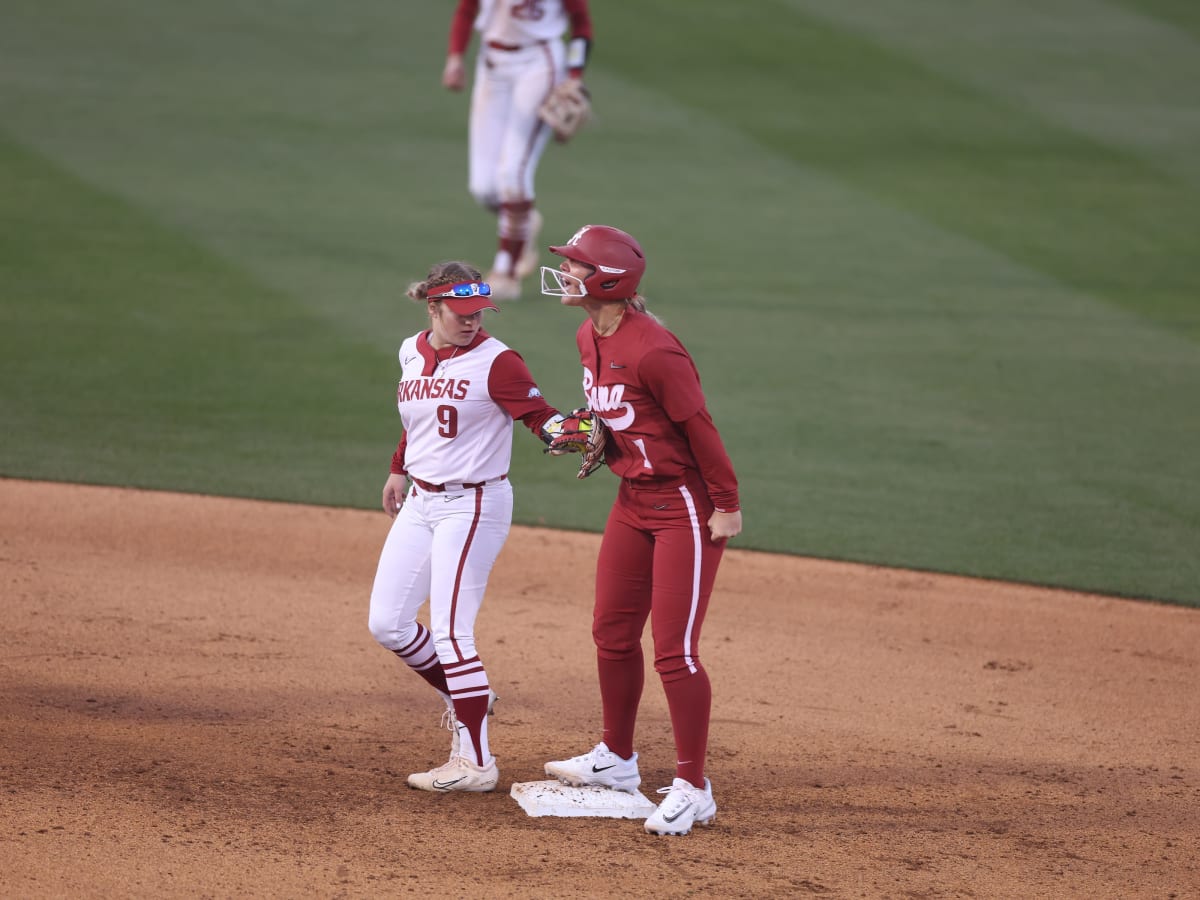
[(457, 775), (504, 287), (686, 805), (527, 262), (599, 767)]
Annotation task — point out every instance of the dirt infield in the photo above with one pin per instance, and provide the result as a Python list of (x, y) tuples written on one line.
[(191, 705)]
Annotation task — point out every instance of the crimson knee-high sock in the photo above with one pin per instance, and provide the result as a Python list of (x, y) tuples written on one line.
[(513, 229), (469, 690), (690, 701), (471, 713), (436, 677), (420, 656), (621, 681)]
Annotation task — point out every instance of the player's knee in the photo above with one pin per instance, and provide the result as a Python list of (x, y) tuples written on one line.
[(511, 189), (486, 196), (618, 636), (381, 630), (619, 654), (613, 646), (392, 636)]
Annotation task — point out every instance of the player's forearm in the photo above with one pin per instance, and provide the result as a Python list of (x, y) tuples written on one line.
[(716, 468), (579, 47)]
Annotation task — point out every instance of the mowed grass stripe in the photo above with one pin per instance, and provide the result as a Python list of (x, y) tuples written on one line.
[(130, 356), (1083, 213), (1116, 76), (1182, 14), (315, 149)]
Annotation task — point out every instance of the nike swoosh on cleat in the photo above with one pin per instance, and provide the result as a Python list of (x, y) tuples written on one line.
[(596, 770), (670, 819), (445, 785)]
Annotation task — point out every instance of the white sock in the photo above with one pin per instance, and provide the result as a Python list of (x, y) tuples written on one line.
[(503, 262)]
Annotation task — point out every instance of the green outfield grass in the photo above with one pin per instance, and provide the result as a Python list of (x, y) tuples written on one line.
[(939, 263)]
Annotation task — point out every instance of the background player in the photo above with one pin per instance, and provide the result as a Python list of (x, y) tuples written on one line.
[(520, 59), (676, 506), (459, 392)]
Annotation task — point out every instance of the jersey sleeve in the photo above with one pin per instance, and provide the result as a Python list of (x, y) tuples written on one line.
[(715, 465), (398, 467), (511, 385), (670, 376), (461, 24), (579, 47), (580, 18)]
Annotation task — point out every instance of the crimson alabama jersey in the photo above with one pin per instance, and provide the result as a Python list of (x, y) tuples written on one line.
[(641, 381)]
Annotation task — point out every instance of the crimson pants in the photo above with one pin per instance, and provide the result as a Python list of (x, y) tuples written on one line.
[(656, 561)]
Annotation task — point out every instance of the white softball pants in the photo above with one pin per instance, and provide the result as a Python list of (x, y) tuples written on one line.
[(507, 139), (441, 546)]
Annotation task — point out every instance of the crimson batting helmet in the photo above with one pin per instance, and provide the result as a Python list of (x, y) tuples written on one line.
[(616, 257)]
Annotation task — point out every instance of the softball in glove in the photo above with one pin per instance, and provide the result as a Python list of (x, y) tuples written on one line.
[(580, 432)]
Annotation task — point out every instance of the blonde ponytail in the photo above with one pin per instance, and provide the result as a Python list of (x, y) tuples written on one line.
[(638, 303)]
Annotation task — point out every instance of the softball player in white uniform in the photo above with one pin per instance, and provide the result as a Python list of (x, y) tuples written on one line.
[(521, 57), (458, 395)]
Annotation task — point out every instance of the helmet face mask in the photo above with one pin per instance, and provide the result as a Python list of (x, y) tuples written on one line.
[(616, 259), (557, 283)]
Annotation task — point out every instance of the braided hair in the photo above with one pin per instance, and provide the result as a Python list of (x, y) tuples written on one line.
[(443, 273)]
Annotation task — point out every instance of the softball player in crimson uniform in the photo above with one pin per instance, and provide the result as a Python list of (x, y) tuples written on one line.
[(521, 57), (676, 507), (458, 395)]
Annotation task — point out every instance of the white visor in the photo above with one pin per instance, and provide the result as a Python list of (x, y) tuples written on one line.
[(557, 283)]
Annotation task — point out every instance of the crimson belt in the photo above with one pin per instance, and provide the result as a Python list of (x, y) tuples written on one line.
[(453, 485)]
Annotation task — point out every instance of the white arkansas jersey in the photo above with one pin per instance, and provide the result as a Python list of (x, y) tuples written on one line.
[(521, 21), (454, 430)]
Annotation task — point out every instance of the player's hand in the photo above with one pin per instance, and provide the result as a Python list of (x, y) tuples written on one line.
[(454, 75), (393, 494), (724, 525)]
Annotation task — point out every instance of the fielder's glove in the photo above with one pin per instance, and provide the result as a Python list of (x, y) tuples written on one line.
[(566, 109), (581, 432)]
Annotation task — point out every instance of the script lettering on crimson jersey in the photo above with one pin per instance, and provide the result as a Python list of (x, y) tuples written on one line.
[(607, 401), (432, 389)]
